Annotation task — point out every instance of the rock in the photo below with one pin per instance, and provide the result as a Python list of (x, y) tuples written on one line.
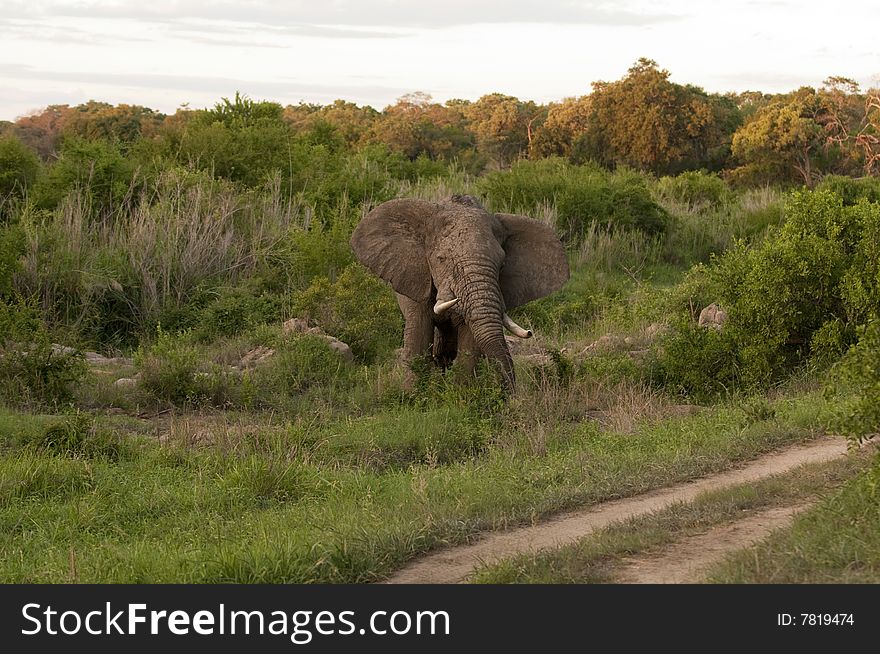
[(301, 326), (255, 356), (656, 330), (96, 359), (341, 348), (713, 317), (296, 326), (603, 344), (62, 349), (125, 382)]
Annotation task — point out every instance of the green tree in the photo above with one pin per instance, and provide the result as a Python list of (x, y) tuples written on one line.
[(416, 126), (648, 122), (566, 122), (504, 126), (784, 140), (123, 123), (19, 167)]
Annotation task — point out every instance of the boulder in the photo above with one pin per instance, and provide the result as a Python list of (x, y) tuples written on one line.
[(712, 317)]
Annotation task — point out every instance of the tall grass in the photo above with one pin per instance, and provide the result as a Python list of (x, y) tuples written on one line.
[(121, 270)]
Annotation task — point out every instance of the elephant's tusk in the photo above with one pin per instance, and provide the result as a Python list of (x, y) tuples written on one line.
[(441, 307), (515, 329)]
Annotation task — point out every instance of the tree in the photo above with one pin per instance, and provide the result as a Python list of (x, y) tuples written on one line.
[(504, 126), (41, 131), (647, 122), (416, 126), (852, 124), (784, 138), (123, 123), (351, 122), (19, 166), (566, 122)]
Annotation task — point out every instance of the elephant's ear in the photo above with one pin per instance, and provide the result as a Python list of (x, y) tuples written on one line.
[(390, 242), (535, 263)]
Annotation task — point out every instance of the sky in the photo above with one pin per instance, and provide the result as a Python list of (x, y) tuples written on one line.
[(168, 53)]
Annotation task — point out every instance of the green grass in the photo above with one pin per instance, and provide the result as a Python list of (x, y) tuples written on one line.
[(835, 542), (261, 509), (596, 558)]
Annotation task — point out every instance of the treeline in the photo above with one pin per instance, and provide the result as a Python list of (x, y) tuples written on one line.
[(642, 121)]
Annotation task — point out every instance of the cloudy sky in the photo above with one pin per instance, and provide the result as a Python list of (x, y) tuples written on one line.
[(164, 53)]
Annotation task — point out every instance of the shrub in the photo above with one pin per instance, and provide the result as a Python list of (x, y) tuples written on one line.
[(581, 195), (32, 371), (95, 167), (696, 362), (168, 367), (852, 190), (695, 189), (320, 249), (856, 380), (801, 291), (12, 247), (234, 311), (19, 167), (299, 363), (357, 308)]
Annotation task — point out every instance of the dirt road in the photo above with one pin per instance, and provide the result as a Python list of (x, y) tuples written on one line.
[(455, 564)]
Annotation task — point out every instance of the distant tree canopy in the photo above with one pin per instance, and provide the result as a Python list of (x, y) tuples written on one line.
[(642, 121), (647, 122)]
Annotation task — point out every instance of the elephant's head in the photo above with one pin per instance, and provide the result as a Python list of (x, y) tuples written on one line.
[(462, 259)]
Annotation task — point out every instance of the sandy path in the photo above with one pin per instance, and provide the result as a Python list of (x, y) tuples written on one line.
[(454, 564), (686, 561)]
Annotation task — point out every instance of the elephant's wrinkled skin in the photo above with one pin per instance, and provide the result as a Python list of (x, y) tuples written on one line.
[(457, 269)]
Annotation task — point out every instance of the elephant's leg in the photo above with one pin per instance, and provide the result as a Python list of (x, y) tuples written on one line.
[(418, 334), (445, 343), (468, 354)]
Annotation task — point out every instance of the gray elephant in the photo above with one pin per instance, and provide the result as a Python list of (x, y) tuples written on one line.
[(457, 270)]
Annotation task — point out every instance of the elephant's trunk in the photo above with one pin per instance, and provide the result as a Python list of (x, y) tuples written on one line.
[(484, 313)]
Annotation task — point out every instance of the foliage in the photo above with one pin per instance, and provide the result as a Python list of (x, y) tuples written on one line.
[(503, 126), (33, 372), (856, 382), (300, 362), (567, 121), (695, 189), (698, 363), (647, 122), (96, 169), (169, 366), (801, 291), (233, 311), (581, 195), (19, 167), (358, 308), (852, 190)]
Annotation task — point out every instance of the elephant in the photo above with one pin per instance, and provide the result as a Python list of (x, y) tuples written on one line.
[(457, 269)]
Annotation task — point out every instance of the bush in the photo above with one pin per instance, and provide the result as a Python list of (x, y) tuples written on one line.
[(19, 167), (581, 194), (851, 190), (12, 247), (234, 311), (800, 292), (856, 381), (34, 373), (168, 367), (696, 189), (357, 308), (95, 167), (299, 363), (696, 362)]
